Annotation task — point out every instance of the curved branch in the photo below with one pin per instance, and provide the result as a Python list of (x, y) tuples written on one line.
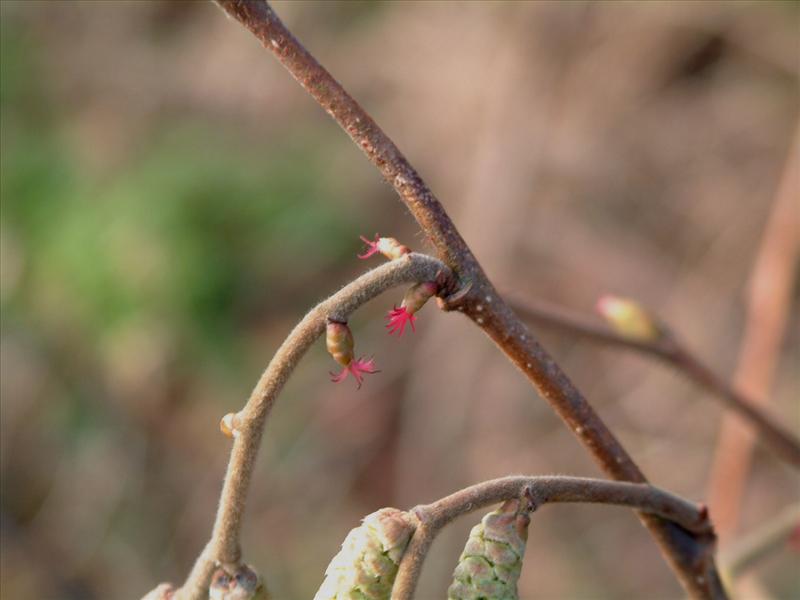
[(478, 299), (539, 491), (249, 422), (671, 350)]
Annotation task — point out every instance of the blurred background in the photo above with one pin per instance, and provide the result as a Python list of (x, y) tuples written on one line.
[(173, 202)]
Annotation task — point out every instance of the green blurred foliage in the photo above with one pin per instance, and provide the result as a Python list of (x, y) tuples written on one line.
[(190, 234)]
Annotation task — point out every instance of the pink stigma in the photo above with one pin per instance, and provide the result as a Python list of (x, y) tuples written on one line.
[(372, 247), (357, 368), (398, 317)]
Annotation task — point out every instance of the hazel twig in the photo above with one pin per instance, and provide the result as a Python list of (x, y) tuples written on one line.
[(538, 491), (248, 424)]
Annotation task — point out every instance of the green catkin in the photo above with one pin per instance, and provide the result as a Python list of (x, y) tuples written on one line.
[(366, 566), (490, 565)]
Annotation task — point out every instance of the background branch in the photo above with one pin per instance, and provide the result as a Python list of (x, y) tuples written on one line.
[(480, 301), (545, 313), (768, 306), (539, 491), (768, 537), (674, 352), (223, 548)]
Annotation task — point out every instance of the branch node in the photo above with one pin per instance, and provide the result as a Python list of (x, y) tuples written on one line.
[(530, 497), (455, 299)]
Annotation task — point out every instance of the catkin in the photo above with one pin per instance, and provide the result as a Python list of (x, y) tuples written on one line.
[(366, 566), (491, 562)]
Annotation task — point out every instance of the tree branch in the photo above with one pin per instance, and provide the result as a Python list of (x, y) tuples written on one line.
[(539, 491), (478, 300), (674, 352), (545, 313), (249, 422), (769, 300)]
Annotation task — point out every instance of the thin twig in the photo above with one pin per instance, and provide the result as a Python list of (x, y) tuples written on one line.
[(478, 299), (539, 491), (768, 306), (545, 313), (768, 537), (673, 351), (224, 545)]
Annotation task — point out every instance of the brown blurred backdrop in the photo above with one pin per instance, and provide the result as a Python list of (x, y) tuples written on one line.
[(173, 202)]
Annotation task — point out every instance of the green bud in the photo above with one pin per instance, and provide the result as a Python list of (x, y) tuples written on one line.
[(366, 566), (491, 562), (629, 318)]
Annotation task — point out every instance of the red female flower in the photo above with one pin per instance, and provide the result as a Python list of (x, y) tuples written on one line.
[(389, 247), (339, 340), (357, 367), (398, 317), (415, 298)]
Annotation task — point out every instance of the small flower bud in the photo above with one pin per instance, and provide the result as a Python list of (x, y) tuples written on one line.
[(164, 591), (389, 247), (418, 295), (228, 425), (366, 566), (491, 562), (415, 299), (244, 584), (628, 318), (339, 340)]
